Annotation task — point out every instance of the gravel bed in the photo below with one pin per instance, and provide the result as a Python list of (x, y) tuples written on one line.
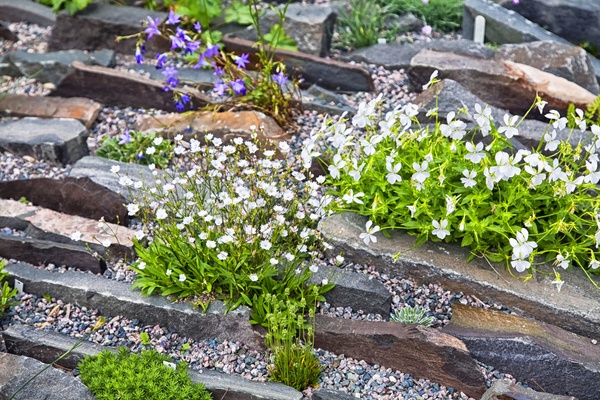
[(342, 373)]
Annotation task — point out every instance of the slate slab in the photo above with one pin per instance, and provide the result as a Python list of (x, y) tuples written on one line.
[(422, 352), (74, 196), (395, 56), (83, 110), (111, 297), (26, 10), (25, 340), (52, 384), (121, 88), (535, 353), (99, 24), (576, 309), (54, 66), (199, 78), (48, 225), (329, 74), (324, 101), (59, 141), (505, 389)]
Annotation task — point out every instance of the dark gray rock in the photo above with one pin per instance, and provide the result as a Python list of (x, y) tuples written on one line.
[(6, 33), (422, 352), (564, 60), (7, 69), (327, 73), (331, 394), (310, 25), (48, 346), (396, 56), (121, 88), (323, 101), (577, 21), (52, 384), (26, 10), (115, 298), (576, 309), (535, 353), (58, 141), (44, 252), (74, 196), (505, 389), (99, 24), (53, 67), (98, 170), (355, 290), (403, 23), (198, 78)]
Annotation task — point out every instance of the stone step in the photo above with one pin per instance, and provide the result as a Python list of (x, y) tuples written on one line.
[(537, 354), (59, 141), (27, 10), (576, 309), (48, 346), (83, 110)]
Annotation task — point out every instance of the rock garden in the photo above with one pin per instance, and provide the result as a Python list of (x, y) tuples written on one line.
[(374, 199)]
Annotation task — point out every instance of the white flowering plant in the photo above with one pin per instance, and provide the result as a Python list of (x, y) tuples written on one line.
[(447, 183), (235, 223), (137, 147)]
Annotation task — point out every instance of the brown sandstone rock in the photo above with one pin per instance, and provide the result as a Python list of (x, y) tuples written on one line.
[(84, 110), (535, 353), (120, 88), (417, 350), (503, 84), (225, 125)]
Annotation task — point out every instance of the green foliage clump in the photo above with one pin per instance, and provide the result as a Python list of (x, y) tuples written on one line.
[(72, 6), (591, 115), (412, 315), (523, 208), (137, 147), (7, 293), (442, 15), (127, 376), (361, 23)]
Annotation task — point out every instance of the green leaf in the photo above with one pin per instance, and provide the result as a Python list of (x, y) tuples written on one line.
[(238, 12)]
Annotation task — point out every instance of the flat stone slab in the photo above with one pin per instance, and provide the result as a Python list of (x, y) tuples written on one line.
[(54, 66), (329, 74), (113, 87), (18, 105), (417, 350), (59, 141), (98, 25), (74, 196), (98, 170), (45, 224), (576, 308), (52, 384), (199, 78), (26, 10), (505, 389), (535, 353), (48, 346), (116, 298)]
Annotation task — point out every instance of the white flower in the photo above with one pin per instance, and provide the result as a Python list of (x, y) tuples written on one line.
[(265, 245), (350, 197), (141, 265), (132, 209), (520, 265), (392, 176), (580, 119), (115, 169), (150, 150), (440, 228), (182, 277), (139, 234), (432, 80), (211, 244), (562, 261), (161, 213), (594, 264), (476, 153), (178, 138), (274, 261), (521, 247), (369, 235), (451, 204), (125, 181), (509, 129), (76, 236), (325, 281), (556, 173), (368, 147), (551, 142), (339, 259), (540, 104), (106, 243), (412, 210), (222, 256), (537, 177), (421, 173), (469, 180), (187, 220), (482, 117), (168, 272), (313, 268), (157, 141), (253, 277)]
